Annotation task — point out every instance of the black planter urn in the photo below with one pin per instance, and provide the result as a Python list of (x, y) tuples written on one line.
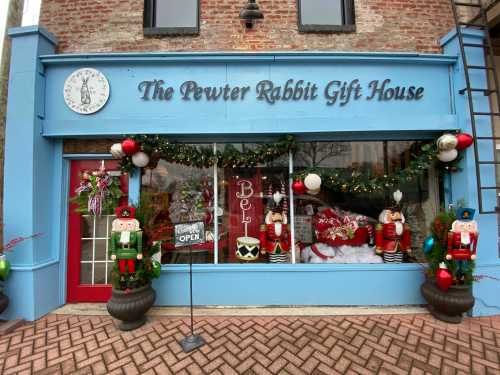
[(449, 305), (131, 306), (4, 302)]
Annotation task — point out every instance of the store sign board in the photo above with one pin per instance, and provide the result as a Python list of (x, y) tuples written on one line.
[(191, 233), (334, 92)]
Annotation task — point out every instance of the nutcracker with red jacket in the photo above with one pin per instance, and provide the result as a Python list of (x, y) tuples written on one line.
[(392, 235), (274, 235), (126, 241), (462, 240)]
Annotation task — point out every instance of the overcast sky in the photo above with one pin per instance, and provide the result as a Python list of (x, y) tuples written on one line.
[(30, 12)]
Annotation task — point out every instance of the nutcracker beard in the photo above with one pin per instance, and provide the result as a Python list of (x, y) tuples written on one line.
[(399, 227)]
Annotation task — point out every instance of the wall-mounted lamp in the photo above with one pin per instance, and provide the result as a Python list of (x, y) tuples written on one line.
[(250, 13)]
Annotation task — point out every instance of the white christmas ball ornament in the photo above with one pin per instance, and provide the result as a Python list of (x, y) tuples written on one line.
[(312, 182), (447, 142), (447, 156), (116, 151), (140, 159)]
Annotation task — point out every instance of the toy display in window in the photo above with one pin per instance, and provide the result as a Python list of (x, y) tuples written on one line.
[(462, 240), (342, 237), (392, 235), (275, 234), (126, 241), (336, 227)]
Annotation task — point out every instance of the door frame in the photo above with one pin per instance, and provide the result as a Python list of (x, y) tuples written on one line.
[(134, 182)]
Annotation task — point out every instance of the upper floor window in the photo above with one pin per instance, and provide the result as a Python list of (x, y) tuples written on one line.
[(326, 15), (171, 17)]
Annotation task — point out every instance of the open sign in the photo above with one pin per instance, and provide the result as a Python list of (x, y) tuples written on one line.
[(189, 233)]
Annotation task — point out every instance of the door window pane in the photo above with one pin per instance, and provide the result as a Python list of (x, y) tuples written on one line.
[(86, 254), (86, 273)]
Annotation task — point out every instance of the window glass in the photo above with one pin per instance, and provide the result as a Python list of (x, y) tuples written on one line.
[(173, 194), (252, 209), (343, 225), (321, 12), (176, 13), (255, 212)]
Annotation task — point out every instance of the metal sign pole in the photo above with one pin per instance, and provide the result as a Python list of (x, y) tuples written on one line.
[(193, 341)]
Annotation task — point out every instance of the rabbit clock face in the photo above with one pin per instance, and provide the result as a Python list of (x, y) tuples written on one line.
[(86, 91)]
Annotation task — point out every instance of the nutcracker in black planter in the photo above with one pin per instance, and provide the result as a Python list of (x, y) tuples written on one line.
[(462, 241), (126, 241)]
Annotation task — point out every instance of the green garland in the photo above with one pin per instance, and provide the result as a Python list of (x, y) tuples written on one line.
[(355, 182), (204, 157)]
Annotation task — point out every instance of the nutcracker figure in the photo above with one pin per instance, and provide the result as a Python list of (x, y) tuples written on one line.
[(392, 235), (462, 240), (126, 240), (274, 235)]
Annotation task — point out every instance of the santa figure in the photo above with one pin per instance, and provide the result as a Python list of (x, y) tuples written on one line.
[(392, 235), (274, 235), (126, 240), (462, 239)]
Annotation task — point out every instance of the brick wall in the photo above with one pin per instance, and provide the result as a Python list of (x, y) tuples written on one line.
[(116, 25)]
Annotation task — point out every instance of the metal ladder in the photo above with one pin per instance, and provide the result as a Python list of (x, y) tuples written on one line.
[(479, 21)]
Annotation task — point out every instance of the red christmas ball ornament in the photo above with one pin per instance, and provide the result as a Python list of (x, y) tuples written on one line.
[(444, 279), (464, 140), (129, 146), (299, 187)]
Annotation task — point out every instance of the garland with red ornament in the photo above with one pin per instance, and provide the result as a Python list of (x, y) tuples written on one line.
[(144, 151), (446, 150)]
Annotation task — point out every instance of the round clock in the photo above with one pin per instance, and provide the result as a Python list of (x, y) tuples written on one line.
[(86, 91)]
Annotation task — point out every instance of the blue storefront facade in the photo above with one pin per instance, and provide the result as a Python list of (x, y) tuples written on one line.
[(332, 96)]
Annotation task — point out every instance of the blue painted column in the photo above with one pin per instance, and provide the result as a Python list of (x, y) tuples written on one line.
[(464, 183), (32, 181)]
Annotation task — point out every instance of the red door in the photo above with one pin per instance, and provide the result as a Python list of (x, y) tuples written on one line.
[(89, 266)]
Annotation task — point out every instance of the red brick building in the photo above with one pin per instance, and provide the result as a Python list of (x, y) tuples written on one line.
[(117, 25)]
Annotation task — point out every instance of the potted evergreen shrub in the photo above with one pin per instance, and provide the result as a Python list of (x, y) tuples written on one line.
[(450, 252), (132, 294)]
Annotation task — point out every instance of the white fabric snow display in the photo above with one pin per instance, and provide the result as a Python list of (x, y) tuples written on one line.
[(342, 254)]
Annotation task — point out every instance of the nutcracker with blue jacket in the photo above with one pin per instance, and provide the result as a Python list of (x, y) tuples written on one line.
[(392, 234), (126, 241), (275, 234), (462, 241)]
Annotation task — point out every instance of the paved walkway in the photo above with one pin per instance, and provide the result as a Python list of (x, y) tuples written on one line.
[(382, 344)]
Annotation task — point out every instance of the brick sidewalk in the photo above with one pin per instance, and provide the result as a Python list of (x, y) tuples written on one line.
[(383, 344)]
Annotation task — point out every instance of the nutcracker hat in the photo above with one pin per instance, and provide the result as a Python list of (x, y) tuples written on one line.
[(125, 212), (465, 214)]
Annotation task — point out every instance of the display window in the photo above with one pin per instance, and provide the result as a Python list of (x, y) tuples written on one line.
[(257, 214)]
